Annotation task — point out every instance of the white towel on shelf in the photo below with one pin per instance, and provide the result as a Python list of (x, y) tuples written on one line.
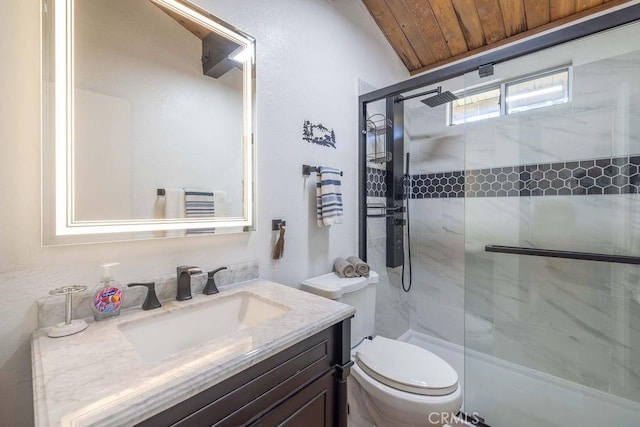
[(174, 208), (199, 203), (328, 197)]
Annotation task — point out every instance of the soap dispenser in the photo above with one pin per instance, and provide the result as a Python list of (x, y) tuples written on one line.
[(108, 297)]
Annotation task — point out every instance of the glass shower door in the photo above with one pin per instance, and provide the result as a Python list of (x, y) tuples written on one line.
[(551, 341)]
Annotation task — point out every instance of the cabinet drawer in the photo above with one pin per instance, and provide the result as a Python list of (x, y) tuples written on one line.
[(254, 391), (313, 406)]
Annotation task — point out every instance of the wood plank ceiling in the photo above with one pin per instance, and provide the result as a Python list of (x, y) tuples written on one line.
[(429, 33)]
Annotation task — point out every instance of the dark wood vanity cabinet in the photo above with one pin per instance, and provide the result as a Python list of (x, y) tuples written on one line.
[(303, 385)]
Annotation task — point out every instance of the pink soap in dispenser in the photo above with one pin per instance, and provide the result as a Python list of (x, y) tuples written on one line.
[(108, 297)]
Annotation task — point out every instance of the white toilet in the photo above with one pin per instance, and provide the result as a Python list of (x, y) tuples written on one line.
[(392, 383)]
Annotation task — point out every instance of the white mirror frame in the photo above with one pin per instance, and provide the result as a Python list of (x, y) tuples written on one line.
[(59, 224)]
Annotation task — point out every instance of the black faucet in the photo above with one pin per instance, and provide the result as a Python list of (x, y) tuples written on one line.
[(211, 287), (184, 273)]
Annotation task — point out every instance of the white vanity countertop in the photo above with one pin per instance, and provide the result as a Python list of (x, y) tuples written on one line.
[(96, 377)]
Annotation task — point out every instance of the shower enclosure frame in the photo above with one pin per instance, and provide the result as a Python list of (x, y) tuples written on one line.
[(623, 16)]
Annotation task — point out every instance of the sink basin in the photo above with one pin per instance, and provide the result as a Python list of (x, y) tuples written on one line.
[(162, 335)]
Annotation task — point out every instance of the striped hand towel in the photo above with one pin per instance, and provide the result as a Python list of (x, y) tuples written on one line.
[(199, 203), (328, 197)]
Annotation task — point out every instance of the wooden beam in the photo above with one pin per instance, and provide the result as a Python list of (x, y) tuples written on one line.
[(392, 31), (525, 34), (428, 25), (587, 4), (197, 30), (469, 22), (491, 19), (560, 8), (537, 13), (414, 34), (515, 20), (449, 25)]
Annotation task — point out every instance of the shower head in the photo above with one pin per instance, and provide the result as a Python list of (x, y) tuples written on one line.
[(439, 99)]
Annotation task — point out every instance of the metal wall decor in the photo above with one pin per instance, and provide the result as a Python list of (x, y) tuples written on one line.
[(318, 134)]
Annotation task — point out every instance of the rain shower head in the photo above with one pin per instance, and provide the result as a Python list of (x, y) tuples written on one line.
[(439, 99)]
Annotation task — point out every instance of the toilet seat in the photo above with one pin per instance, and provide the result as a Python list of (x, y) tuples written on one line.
[(406, 367)]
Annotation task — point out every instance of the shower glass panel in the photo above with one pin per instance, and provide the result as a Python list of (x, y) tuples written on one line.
[(431, 314), (435, 225), (392, 305), (552, 341)]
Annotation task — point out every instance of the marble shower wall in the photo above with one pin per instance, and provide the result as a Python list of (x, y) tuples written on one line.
[(576, 320), (437, 242), (435, 304), (392, 304)]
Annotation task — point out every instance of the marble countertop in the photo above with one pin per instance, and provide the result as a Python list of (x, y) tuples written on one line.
[(96, 377)]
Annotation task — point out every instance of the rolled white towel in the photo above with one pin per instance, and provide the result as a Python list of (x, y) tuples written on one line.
[(344, 268), (361, 267)]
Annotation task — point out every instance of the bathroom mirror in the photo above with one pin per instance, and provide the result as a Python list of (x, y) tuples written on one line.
[(148, 121)]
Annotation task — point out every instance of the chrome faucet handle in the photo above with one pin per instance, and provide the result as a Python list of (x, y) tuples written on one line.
[(211, 287), (151, 300)]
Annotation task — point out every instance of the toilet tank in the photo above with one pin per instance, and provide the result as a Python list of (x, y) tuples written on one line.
[(358, 292)]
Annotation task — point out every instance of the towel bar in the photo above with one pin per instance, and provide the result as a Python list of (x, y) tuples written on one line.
[(306, 170), (587, 256)]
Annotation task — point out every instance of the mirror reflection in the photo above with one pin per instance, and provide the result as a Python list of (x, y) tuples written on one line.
[(147, 121), (156, 114)]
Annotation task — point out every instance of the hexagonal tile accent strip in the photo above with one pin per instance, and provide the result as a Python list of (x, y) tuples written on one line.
[(438, 185), (616, 175)]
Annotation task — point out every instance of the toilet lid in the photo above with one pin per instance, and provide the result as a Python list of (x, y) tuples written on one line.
[(407, 367)]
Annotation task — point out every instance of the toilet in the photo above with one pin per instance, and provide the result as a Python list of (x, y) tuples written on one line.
[(392, 383)]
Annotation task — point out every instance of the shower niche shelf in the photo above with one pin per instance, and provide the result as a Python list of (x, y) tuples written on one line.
[(376, 131)]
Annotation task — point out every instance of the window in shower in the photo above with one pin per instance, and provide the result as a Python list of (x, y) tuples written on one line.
[(476, 106), (524, 94), (542, 90)]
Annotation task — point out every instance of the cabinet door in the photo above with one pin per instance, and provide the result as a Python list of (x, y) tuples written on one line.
[(313, 406)]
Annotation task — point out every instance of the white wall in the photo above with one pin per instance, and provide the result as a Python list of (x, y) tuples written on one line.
[(310, 55)]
